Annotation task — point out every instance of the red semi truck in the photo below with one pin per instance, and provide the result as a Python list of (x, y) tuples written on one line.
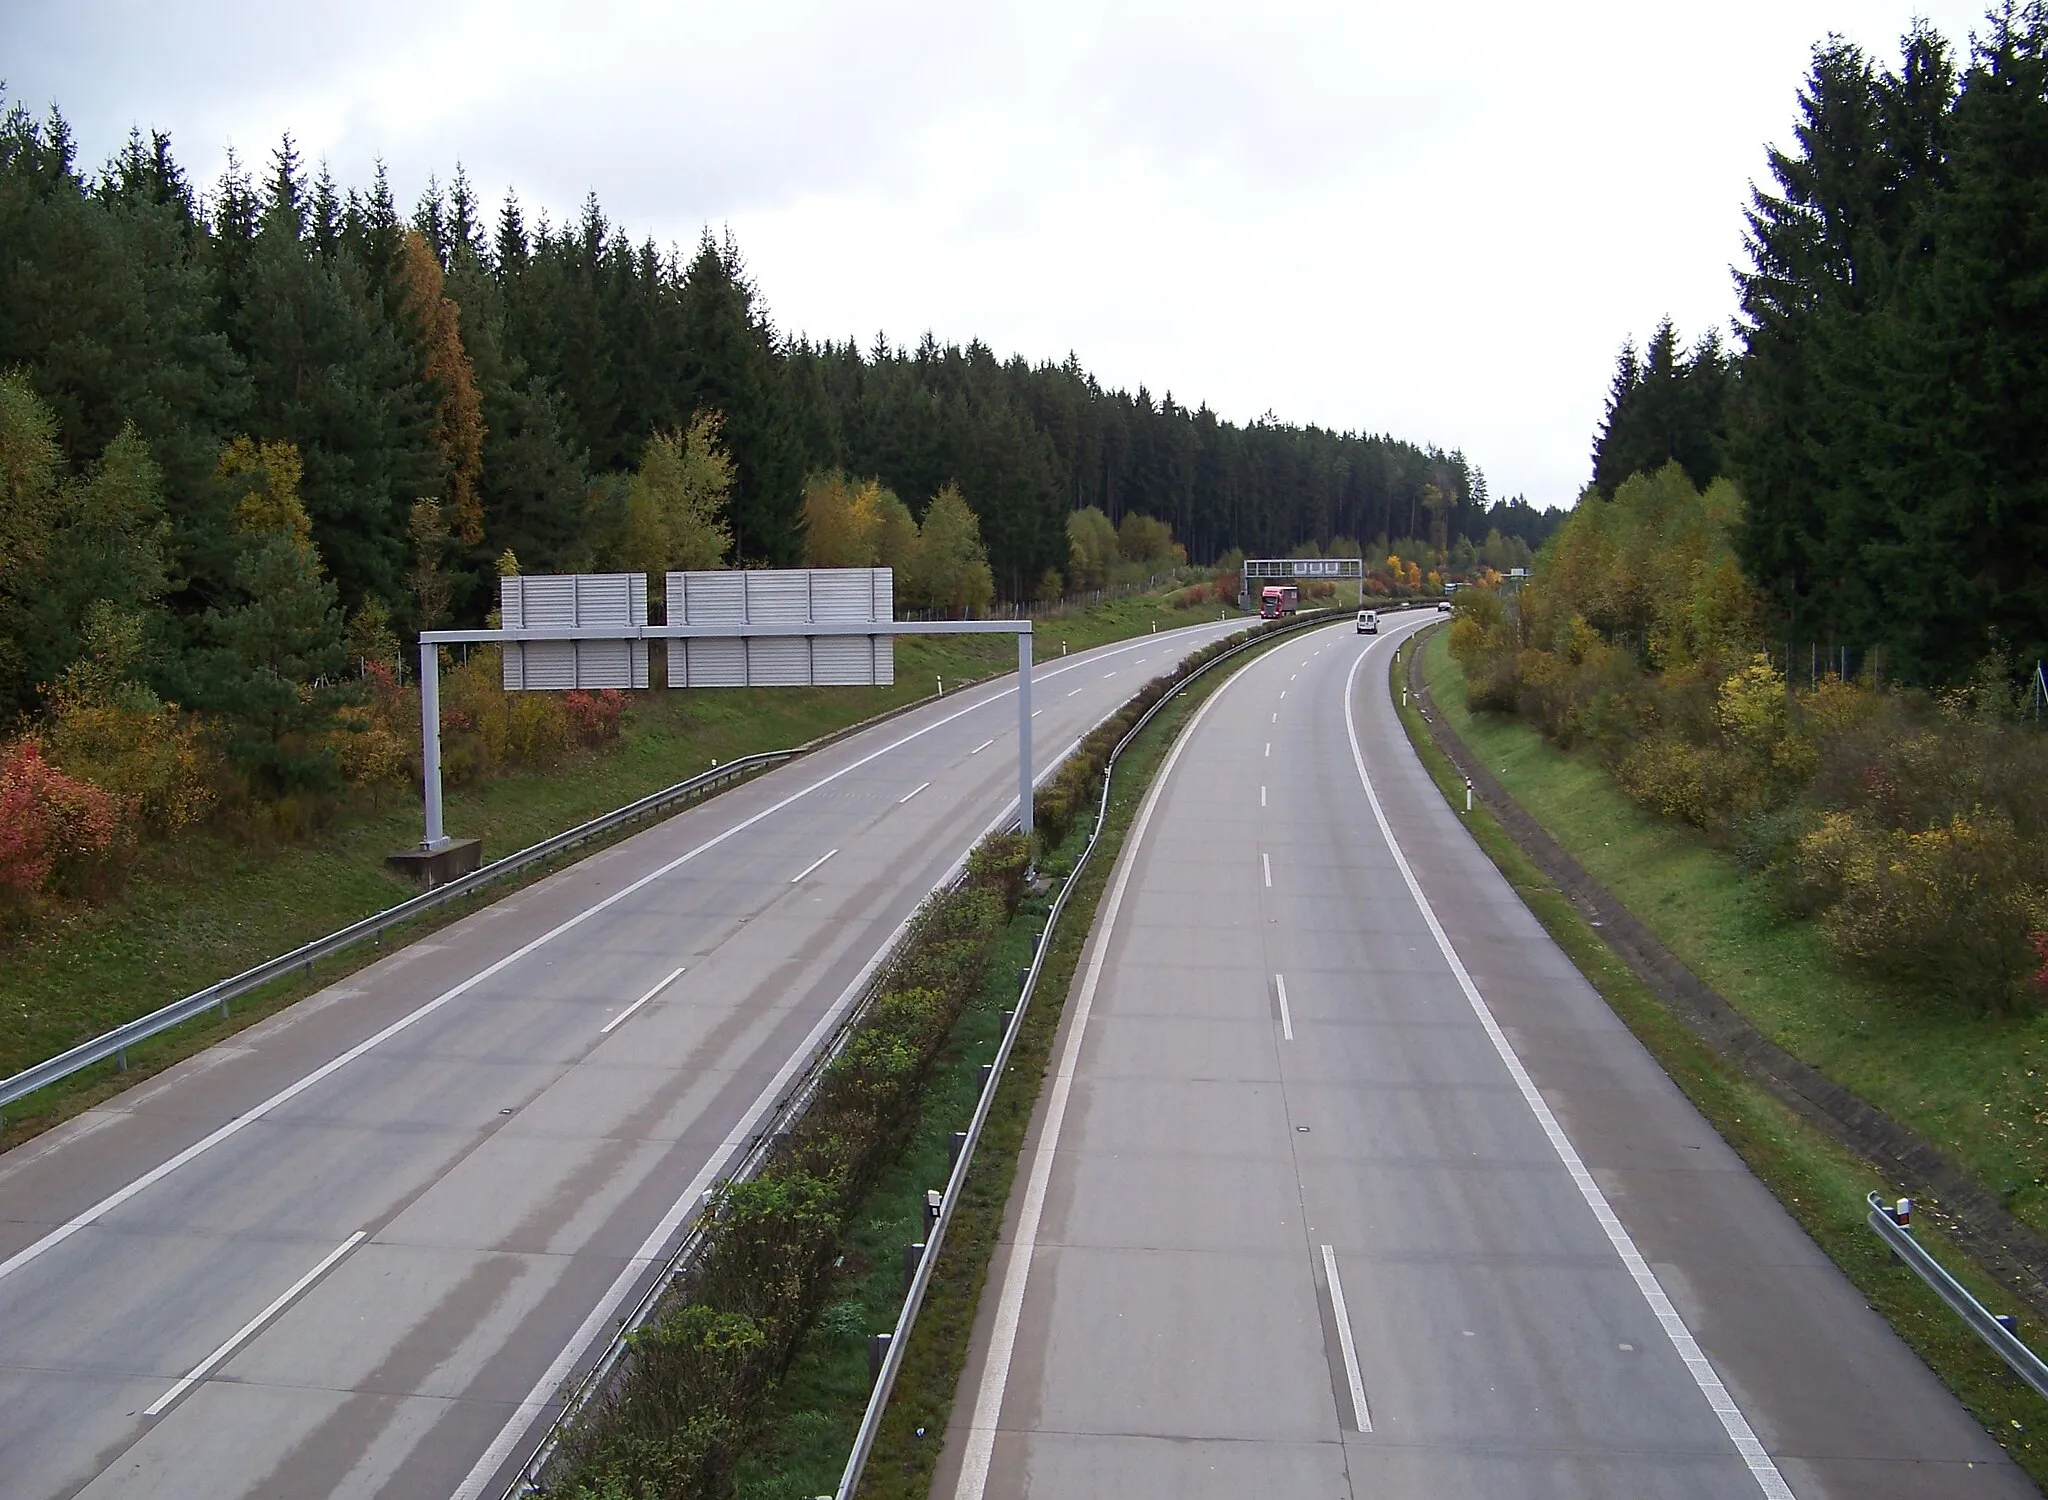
[(1278, 600)]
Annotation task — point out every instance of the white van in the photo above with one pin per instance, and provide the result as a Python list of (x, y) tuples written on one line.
[(1368, 622)]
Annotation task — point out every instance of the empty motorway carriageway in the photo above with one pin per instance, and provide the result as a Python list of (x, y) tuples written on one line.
[(355, 1250), (1345, 1183)]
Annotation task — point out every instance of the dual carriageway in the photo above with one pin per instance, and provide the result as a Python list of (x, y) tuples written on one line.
[(1344, 1181)]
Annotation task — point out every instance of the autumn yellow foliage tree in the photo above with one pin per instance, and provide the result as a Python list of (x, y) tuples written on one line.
[(675, 503), (951, 573), (262, 481), (842, 521), (458, 430)]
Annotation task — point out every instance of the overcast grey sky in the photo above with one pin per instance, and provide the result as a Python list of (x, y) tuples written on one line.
[(1437, 221)]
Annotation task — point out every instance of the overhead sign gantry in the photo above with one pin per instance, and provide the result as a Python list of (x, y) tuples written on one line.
[(795, 627), (1294, 570)]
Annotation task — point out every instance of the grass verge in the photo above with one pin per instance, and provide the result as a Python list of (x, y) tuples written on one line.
[(1976, 1086), (1820, 1184), (212, 904), (809, 1424)]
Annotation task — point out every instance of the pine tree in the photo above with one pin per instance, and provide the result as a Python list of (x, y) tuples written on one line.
[(1953, 554), (1830, 253), (730, 367), (274, 654), (1663, 407)]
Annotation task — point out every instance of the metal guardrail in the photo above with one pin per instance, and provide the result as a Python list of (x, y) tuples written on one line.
[(531, 1474), (1892, 1225), (219, 995), (576, 1396), (216, 997), (913, 1300)]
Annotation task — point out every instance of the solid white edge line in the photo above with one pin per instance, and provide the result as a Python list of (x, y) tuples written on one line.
[(341, 1060), (1286, 1016), (291, 1091), (980, 1440), (619, 1019), (981, 747), (1360, 1412), (248, 1329), (812, 866), (1761, 1468), (912, 792)]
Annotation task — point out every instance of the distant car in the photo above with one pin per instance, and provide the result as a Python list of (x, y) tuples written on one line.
[(1443, 606), (1368, 622)]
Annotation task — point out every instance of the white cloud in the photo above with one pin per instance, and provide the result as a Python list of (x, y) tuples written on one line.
[(1434, 221)]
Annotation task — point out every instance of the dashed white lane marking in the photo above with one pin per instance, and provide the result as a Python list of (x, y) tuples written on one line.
[(980, 1439), (812, 866), (1266, 864), (1761, 1468), (912, 792), (1283, 692), (1276, 717), (1036, 712), (606, 1029), (981, 747), (1107, 675), (1359, 1411), (1076, 692), (1262, 796), (1269, 749), (335, 1064), (248, 1330), (1286, 1016)]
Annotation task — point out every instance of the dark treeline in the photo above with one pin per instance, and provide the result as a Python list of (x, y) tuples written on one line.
[(1887, 412), (517, 382)]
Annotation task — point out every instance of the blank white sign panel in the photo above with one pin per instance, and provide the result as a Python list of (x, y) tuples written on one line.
[(816, 598), (567, 601)]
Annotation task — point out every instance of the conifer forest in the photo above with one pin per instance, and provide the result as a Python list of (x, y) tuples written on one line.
[(282, 409), (1884, 406)]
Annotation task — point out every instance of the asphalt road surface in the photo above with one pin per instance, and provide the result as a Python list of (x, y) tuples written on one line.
[(1347, 1186), (354, 1250)]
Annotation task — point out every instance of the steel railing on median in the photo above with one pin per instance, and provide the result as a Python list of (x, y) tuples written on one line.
[(218, 996), (1892, 1226), (913, 1300), (576, 1396)]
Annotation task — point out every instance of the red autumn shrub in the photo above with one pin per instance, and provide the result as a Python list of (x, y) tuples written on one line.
[(57, 833), (594, 716)]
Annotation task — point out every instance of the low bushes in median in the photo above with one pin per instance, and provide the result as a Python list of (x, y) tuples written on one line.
[(673, 1425), (1073, 786)]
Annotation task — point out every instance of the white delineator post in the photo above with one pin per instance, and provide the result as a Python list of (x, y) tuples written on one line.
[(430, 742)]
